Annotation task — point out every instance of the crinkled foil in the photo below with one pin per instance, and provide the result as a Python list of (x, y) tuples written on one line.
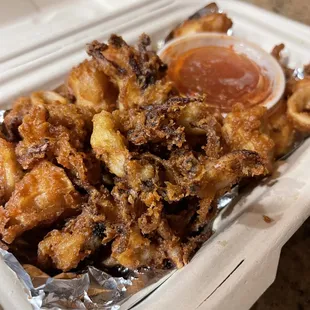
[(93, 288)]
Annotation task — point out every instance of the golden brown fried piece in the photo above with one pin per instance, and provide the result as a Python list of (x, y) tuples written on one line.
[(34, 131), (132, 250), (229, 169), (210, 178), (207, 19), (195, 111), (42, 196), (298, 84), (14, 118), (58, 131), (47, 97), (298, 103), (202, 173), (82, 167), (154, 123), (202, 127), (277, 50), (140, 203), (109, 144), (277, 54), (281, 130), (10, 170), (246, 129), (91, 88), (35, 272), (298, 108), (137, 73), (79, 239)]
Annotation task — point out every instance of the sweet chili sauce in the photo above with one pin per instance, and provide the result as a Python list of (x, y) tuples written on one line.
[(224, 76)]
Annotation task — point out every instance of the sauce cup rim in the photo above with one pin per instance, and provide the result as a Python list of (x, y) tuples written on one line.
[(277, 90)]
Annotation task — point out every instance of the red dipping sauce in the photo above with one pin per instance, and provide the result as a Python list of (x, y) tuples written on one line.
[(220, 73)]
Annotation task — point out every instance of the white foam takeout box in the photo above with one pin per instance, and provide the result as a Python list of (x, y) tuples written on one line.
[(40, 40)]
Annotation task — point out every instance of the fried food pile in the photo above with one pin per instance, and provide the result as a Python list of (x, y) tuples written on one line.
[(117, 162)]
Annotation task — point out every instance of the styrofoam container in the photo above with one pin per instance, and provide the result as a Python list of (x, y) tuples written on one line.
[(40, 40)]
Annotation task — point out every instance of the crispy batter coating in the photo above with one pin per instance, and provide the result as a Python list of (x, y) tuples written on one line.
[(298, 109), (47, 97), (58, 131), (44, 195), (109, 144), (154, 123), (137, 73), (133, 250), (203, 127), (10, 170), (34, 132), (246, 129), (277, 50), (207, 19), (68, 247), (277, 54), (209, 178), (81, 236), (14, 118), (91, 88), (281, 130), (298, 84), (297, 91)]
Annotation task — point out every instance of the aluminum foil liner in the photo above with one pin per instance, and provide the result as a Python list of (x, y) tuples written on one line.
[(92, 289)]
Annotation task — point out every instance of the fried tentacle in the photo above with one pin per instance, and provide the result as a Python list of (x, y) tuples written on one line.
[(298, 109), (91, 88), (208, 19), (282, 131), (137, 73), (81, 236), (10, 170), (246, 129)]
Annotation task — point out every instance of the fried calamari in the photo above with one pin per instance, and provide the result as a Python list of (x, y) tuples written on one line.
[(137, 73), (247, 129), (91, 88), (118, 162), (41, 197), (80, 237), (109, 144), (299, 107), (281, 130), (208, 19), (10, 170)]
